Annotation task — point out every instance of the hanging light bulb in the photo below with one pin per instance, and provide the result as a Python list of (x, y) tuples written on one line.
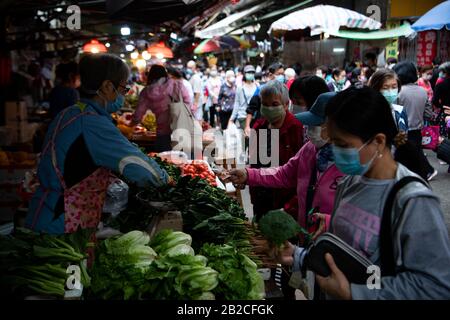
[(94, 47), (125, 31)]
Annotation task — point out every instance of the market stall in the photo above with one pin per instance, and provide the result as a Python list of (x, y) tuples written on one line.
[(184, 240)]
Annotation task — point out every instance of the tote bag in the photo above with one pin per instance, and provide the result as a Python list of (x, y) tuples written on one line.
[(186, 131)]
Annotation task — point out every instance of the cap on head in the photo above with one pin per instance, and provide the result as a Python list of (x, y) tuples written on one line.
[(249, 68), (316, 115)]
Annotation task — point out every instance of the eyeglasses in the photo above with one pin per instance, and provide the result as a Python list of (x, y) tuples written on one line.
[(125, 88)]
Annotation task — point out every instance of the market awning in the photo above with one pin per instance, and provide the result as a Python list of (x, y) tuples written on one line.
[(324, 18), (402, 31), (223, 26), (435, 19), (268, 16)]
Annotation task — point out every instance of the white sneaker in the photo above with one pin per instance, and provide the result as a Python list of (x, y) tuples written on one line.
[(432, 175)]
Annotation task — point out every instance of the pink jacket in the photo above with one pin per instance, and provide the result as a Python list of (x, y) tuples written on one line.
[(157, 97), (297, 173)]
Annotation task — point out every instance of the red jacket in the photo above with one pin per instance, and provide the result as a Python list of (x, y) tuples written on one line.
[(290, 142)]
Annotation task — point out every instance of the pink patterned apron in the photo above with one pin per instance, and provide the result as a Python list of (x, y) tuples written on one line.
[(83, 202)]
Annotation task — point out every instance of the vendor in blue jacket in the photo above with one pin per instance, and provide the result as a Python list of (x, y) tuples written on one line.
[(83, 148)]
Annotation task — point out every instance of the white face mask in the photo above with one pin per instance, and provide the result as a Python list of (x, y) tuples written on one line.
[(319, 74), (213, 74), (231, 80), (314, 135)]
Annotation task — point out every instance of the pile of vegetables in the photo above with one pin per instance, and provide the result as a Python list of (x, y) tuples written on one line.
[(128, 268), (120, 266), (199, 169), (198, 201), (149, 121), (38, 264), (177, 273), (238, 275), (172, 170)]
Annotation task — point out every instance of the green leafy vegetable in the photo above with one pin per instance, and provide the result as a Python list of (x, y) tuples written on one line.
[(238, 275), (277, 226)]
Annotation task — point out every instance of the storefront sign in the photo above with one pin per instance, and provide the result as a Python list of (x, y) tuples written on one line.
[(392, 48), (426, 47)]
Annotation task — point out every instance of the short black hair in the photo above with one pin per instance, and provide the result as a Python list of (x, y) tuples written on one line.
[(274, 67), (155, 73), (175, 72), (370, 55), (406, 71), (64, 71), (309, 87), (96, 68), (364, 113)]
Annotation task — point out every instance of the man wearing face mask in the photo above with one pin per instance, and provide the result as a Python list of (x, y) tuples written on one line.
[(243, 95), (226, 98), (213, 84), (82, 148)]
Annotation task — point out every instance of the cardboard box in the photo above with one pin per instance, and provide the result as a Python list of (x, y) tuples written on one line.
[(15, 111), (170, 220)]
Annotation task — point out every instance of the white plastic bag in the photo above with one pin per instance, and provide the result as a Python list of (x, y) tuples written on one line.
[(116, 197)]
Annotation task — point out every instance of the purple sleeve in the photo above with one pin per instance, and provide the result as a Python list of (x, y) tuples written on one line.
[(140, 109)]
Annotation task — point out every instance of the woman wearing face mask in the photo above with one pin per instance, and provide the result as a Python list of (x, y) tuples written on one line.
[(338, 81), (82, 148), (387, 83), (243, 95), (414, 99), (226, 98), (311, 171), (275, 118), (213, 84), (156, 97), (304, 92), (362, 139), (426, 73)]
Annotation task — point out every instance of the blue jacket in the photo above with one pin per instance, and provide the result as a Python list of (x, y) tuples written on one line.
[(89, 142)]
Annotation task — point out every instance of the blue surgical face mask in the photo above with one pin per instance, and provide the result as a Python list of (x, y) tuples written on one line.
[(390, 95), (281, 78), (249, 76), (114, 106), (441, 75), (347, 160)]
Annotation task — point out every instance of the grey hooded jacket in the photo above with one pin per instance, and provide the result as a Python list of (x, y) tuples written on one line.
[(420, 241)]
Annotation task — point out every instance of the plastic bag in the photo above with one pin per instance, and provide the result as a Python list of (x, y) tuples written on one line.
[(116, 197)]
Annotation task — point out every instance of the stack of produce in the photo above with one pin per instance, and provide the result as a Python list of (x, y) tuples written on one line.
[(128, 268), (199, 169), (149, 121), (209, 214), (238, 275), (38, 264)]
